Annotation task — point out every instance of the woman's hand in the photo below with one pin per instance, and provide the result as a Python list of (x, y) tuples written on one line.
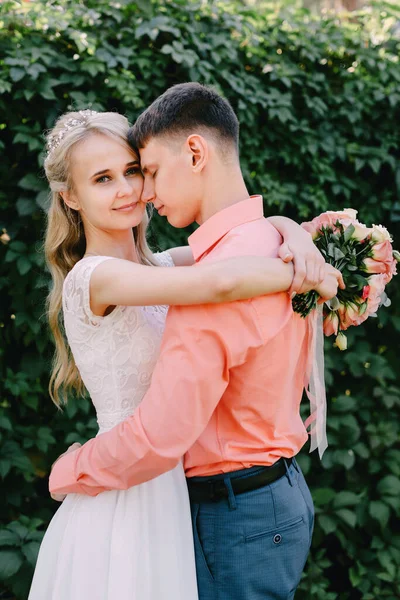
[(298, 247), (72, 448), (333, 279)]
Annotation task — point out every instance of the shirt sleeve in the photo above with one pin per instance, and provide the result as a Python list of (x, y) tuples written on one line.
[(200, 346)]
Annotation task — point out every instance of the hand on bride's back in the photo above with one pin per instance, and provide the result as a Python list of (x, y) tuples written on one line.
[(72, 448)]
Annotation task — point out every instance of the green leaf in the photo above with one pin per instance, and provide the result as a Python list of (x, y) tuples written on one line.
[(348, 232), (25, 206), (389, 485), (10, 563), (345, 498), (31, 551), (24, 265), (9, 538), (327, 524), (348, 516), (17, 74), (322, 496), (5, 466), (5, 423), (345, 458), (380, 512), (31, 182)]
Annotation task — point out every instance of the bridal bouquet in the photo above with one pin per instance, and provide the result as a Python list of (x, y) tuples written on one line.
[(367, 261)]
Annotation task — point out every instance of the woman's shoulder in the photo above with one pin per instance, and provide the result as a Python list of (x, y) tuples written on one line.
[(83, 269), (76, 288)]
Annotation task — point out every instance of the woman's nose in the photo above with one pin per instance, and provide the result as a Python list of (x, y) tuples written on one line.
[(125, 187)]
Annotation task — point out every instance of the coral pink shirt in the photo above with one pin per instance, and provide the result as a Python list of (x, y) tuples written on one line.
[(227, 387)]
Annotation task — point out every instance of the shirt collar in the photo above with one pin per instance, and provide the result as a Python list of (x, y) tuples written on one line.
[(212, 230)]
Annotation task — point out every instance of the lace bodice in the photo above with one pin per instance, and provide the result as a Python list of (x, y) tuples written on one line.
[(115, 354)]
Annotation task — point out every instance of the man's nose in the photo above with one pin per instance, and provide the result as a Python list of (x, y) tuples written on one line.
[(148, 193)]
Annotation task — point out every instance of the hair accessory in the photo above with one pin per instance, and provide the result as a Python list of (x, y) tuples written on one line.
[(54, 140)]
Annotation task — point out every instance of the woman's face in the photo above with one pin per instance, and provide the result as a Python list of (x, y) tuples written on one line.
[(107, 184)]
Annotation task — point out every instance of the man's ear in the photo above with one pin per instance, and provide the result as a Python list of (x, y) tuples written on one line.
[(198, 149), (70, 200)]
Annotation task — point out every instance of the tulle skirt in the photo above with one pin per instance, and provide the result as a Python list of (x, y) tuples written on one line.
[(133, 544)]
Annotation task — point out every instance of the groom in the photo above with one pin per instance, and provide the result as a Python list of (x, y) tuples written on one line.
[(227, 387)]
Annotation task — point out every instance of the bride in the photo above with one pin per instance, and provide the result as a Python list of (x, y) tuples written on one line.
[(134, 544)]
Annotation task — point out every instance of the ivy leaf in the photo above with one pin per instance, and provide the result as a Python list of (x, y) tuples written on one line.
[(389, 485), (9, 538), (10, 563), (380, 512), (17, 74)]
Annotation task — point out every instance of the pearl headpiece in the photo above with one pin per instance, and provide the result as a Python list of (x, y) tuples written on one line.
[(54, 140)]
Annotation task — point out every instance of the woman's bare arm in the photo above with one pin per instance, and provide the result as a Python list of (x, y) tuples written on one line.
[(121, 282)]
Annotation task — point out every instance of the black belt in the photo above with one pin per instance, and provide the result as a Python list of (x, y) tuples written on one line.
[(214, 490)]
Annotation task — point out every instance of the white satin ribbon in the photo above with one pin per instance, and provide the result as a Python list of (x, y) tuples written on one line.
[(315, 386)]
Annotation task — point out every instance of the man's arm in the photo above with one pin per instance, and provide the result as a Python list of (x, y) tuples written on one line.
[(201, 344)]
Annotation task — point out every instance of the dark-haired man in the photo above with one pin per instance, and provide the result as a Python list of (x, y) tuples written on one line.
[(228, 384)]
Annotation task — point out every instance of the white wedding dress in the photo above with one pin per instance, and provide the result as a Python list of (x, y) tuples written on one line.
[(133, 544)]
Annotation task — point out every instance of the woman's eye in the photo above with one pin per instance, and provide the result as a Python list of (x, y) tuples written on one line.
[(102, 179)]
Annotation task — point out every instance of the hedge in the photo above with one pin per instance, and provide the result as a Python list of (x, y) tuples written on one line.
[(318, 100)]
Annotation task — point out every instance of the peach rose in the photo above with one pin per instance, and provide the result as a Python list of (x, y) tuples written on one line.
[(383, 252), (331, 323), (380, 234), (377, 285), (341, 341), (360, 231), (329, 219), (374, 266), (349, 316)]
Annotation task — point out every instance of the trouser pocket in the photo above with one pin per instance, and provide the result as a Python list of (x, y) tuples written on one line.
[(204, 543)]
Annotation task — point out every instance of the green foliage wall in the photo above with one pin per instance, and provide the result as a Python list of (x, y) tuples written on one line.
[(318, 102)]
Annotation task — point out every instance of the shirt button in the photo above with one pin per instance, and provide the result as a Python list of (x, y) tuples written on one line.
[(277, 538)]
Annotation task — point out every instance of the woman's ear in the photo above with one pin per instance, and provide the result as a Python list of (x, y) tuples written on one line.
[(199, 152), (70, 200)]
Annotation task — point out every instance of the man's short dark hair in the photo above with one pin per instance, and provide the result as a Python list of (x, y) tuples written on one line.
[(182, 109)]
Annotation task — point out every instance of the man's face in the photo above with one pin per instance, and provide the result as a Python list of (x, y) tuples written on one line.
[(170, 181)]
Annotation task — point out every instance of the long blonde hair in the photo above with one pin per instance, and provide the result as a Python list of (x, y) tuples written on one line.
[(65, 241)]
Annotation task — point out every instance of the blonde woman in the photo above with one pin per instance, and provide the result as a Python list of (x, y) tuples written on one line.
[(133, 544)]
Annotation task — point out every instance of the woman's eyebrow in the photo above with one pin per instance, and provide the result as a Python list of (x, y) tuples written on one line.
[(129, 164)]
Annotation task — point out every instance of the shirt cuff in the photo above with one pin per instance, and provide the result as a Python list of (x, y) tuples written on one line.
[(62, 478)]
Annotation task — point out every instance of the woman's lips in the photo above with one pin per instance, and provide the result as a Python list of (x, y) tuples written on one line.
[(127, 207)]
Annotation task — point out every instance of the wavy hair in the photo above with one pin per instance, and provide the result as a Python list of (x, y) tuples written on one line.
[(65, 242)]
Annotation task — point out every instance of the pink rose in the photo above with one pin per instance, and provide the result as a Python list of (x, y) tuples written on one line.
[(349, 316), (383, 252), (374, 266), (331, 323), (329, 219), (361, 232), (391, 270), (377, 285)]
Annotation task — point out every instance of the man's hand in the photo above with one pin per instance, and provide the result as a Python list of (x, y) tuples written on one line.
[(309, 264), (72, 448), (329, 286)]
